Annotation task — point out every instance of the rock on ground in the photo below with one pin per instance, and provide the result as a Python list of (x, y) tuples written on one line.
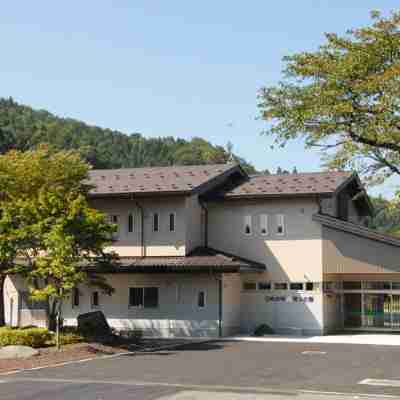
[(17, 352)]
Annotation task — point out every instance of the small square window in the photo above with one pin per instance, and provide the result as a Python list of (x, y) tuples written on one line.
[(114, 219), (249, 286), (296, 286), (264, 285), (201, 299), (280, 286), (309, 286)]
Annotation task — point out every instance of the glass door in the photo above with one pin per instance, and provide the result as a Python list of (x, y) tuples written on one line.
[(377, 311), (352, 310)]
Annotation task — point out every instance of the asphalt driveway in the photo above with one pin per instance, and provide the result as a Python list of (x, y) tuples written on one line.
[(265, 370)]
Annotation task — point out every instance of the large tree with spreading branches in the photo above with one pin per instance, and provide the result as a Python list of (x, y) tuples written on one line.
[(343, 98), (48, 231)]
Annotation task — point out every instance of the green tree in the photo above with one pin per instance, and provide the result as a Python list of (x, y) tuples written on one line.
[(343, 98), (48, 231)]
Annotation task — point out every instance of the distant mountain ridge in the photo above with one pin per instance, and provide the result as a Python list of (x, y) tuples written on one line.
[(23, 128)]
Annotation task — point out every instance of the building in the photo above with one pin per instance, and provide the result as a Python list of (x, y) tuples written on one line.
[(211, 251)]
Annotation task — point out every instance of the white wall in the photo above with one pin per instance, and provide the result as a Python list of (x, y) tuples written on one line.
[(194, 224), (174, 316)]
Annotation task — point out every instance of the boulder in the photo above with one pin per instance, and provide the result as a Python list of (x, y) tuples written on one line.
[(94, 324), (17, 352)]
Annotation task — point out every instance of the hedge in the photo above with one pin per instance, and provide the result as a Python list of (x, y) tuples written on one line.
[(33, 337)]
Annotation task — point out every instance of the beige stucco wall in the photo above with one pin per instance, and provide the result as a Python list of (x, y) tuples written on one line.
[(346, 253), (194, 224), (177, 315), (162, 243), (295, 256)]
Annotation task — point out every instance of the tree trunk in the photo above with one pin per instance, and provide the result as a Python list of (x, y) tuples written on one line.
[(2, 311), (52, 316)]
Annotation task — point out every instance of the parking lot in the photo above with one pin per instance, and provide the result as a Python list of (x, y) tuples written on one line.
[(220, 370)]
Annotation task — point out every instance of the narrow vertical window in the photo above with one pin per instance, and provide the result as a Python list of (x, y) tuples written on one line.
[(114, 219), (156, 222), (172, 222), (247, 225), (201, 299), (264, 224), (75, 297), (131, 223), (280, 224), (95, 299)]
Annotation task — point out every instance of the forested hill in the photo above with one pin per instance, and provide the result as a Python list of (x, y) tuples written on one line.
[(23, 128)]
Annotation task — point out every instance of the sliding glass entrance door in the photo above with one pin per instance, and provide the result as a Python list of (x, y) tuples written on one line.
[(352, 310), (377, 311)]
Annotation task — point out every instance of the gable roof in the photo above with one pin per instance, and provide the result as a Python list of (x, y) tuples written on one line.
[(287, 185), (158, 180)]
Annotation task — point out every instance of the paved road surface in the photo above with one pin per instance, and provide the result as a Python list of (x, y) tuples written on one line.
[(220, 371)]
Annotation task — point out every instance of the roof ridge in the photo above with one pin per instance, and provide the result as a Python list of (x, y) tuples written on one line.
[(161, 167)]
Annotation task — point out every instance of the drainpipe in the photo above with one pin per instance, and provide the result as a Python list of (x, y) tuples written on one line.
[(142, 245), (205, 209)]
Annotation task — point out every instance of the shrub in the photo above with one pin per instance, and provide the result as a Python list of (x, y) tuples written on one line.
[(262, 330), (33, 337)]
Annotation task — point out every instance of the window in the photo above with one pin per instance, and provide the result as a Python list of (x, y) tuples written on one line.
[(396, 285), (264, 224), (156, 222), (143, 297), (264, 285), (95, 299), (131, 223), (172, 222), (26, 303), (75, 297), (309, 286), (352, 285), (280, 286), (377, 285), (201, 299), (280, 224), (114, 219), (249, 286), (296, 286), (247, 225)]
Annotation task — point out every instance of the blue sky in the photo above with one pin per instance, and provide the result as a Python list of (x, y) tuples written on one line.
[(168, 68)]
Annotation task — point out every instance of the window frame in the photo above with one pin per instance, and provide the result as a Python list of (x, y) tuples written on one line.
[(261, 216), (92, 298), (155, 213), (245, 224), (280, 283), (75, 296), (131, 223), (143, 297), (249, 283), (112, 217), (204, 299), (267, 285), (169, 222), (296, 283), (281, 217)]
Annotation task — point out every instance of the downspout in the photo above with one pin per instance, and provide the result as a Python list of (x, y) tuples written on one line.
[(220, 306), (142, 244)]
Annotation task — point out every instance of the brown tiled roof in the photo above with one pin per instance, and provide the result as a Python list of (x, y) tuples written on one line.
[(200, 260), (176, 179), (287, 184)]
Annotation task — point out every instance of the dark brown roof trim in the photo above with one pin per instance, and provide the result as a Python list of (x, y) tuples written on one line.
[(357, 230)]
